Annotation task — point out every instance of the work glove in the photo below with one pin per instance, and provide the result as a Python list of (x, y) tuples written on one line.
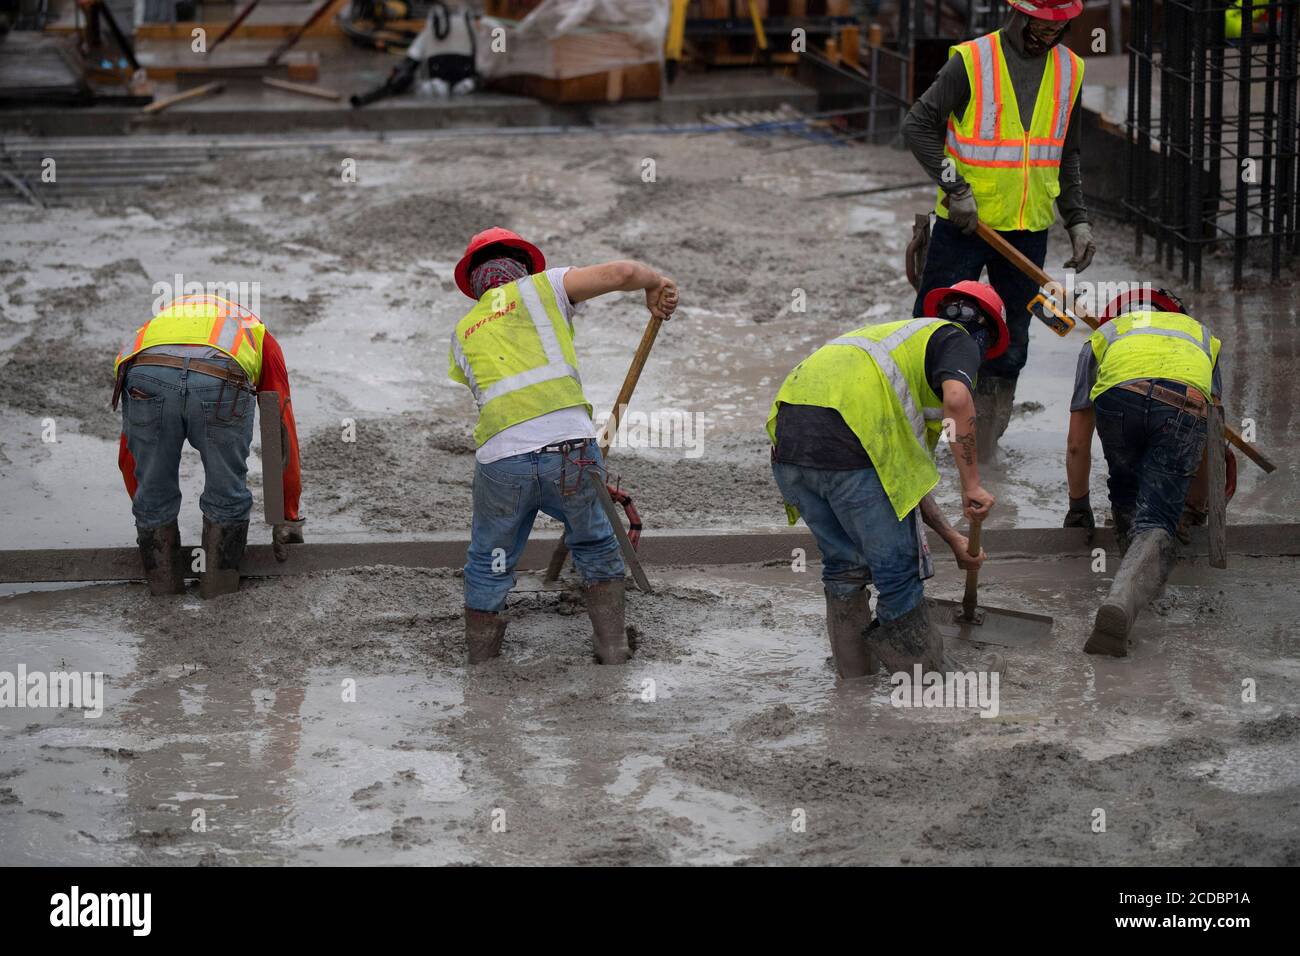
[(1080, 516), (962, 212), (284, 534), (1082, 245)]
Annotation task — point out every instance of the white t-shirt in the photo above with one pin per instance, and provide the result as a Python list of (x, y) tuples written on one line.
[(548, 429)]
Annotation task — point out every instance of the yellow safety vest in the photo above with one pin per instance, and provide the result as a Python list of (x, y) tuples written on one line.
[(875, 378), (1140, 345), (1014, 175), (515, 352), (1232, 18), (203, 320)]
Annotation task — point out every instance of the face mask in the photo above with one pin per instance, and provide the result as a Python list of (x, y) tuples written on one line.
[(1039, 40), (970, 318)]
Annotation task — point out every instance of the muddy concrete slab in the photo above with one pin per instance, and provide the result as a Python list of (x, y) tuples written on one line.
[(341, 727), (355, 279)]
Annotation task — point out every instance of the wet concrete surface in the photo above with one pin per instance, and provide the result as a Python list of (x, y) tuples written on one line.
[(726, 733), (355, 280), (236, 708)]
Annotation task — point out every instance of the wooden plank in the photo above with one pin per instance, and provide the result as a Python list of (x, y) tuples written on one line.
[(268, 411), (157, 106), (664, 549), (319, 92), (1215, 449)]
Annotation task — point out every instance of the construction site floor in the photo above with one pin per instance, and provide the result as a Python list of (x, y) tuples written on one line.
[(726, 730), (235, 707)]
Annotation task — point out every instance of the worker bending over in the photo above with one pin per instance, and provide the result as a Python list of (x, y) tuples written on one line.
[(1143, 382), (535, 438), (997, 132), (853, 430), (191, 373)]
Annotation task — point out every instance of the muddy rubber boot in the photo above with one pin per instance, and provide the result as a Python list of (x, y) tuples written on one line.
[(223, 547), (1140, 577), (158, 548), (484, 633), (908, 640), (994, 400), (605, 608), (1123, 522), (847, 621)]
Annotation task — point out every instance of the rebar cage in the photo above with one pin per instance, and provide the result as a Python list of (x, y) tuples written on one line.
[(1212, 131)]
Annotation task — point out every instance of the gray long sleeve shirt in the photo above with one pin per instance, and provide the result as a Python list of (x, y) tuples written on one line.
[(925, 128)]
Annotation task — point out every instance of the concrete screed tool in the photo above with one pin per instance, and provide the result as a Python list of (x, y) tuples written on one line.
[(966, 621)]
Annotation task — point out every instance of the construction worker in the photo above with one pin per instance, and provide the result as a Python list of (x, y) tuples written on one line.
[(853, 431), (997, 132), (192, 373), (535, 438), (1144, 381)]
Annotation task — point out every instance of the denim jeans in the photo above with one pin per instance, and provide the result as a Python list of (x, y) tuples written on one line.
[(507, 496), (1153, 450), (954, 256), (162, 408), (861, 540)]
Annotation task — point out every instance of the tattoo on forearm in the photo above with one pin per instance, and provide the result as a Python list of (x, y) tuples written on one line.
[(967, 445)]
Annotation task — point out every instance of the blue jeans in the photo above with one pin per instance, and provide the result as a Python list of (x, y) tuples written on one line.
[(860, 539), (1153, 450), (161, 408), (507, 496), (954, 256)]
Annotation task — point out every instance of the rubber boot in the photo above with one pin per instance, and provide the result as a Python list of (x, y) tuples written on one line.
[(847, 620), (605, 608), (158, 548), (911, 639), (1123, 522), (484, 633), (994, 399), (223, 547), (1140, 577)]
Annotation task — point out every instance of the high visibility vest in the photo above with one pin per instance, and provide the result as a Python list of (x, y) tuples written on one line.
[(1014, 175), (1232, 18), (1140, 345), (515, 352), (875, 378), (203, 320)]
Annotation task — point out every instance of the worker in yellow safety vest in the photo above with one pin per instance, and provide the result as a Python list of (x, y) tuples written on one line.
[(535, 438), (853, 430), (191, 373), (997, 132), (1144, 383)]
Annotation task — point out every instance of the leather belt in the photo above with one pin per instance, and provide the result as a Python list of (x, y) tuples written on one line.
[(565, 446), (1193, 402), (229, 375)]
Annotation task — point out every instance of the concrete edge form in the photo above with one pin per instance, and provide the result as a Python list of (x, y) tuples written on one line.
[(27, 566)]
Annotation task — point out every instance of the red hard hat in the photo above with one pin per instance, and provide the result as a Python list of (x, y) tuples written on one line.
[(1142, 298), (496, 236), (1049, 9), (990, 304)]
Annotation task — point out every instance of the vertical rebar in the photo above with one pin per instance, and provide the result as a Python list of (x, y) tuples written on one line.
[(1241, 244)]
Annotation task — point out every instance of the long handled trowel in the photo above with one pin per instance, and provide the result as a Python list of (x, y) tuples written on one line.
[(967, 621)]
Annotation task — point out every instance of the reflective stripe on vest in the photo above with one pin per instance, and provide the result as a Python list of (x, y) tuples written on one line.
[(1147, 345), (1013, 171), (879, 352), (555, 367), (203, 320), (988, 147), (1112, 334)]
